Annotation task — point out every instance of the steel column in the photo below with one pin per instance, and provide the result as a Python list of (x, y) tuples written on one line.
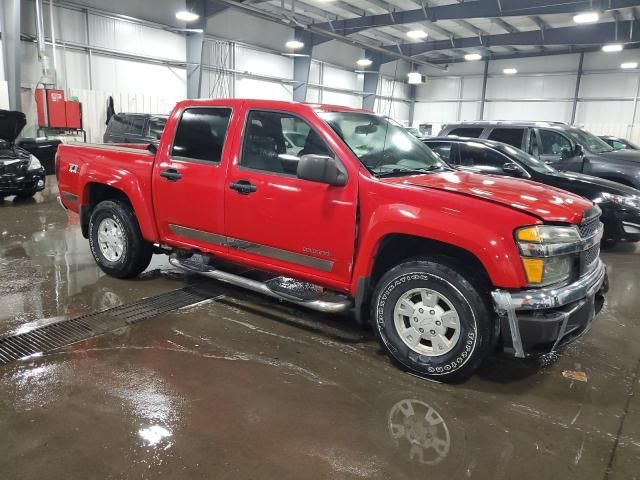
[(195, 50), (370, 84), (12, 50), (576, 92), (302, 65), (485, 75)]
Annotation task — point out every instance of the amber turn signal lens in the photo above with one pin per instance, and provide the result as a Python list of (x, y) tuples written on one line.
[(531, 234), (534, 268)]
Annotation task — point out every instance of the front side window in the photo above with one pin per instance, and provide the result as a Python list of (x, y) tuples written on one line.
[(201, 134), (274, 142), (511, 136), (382, 146), (553, 143)]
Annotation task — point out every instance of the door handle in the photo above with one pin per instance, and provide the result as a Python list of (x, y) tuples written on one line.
[(243, 187), (171, 174)]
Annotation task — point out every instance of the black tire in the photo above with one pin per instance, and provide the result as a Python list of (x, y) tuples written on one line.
[(608, 243), (25, 195), (137, 252), (476, 327)]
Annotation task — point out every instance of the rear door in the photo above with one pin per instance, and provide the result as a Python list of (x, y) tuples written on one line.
[(513, 136), (272, 216), (189, 179)]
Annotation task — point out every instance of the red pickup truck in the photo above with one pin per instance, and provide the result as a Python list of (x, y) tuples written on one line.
[(337, 209)]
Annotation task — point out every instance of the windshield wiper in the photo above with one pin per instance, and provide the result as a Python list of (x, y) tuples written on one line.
[(398, 170)]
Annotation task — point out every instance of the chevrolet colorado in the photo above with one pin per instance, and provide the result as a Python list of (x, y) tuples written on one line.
[(444, 264)]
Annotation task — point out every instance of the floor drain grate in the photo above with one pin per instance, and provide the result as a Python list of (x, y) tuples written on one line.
[(66, 332)]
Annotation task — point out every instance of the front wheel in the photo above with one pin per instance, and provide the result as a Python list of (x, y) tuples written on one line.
[(116, 242), (431, 320)]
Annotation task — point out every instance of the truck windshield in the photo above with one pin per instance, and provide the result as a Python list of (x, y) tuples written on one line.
[(384, 147), (589, 141)]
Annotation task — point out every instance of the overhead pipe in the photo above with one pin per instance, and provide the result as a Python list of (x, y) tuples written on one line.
[(42, 52)]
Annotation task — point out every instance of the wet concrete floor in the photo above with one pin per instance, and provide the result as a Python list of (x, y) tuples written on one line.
[(245, 387)]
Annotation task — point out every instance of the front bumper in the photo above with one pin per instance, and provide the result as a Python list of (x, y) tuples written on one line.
[(15, 184), (541, 320)]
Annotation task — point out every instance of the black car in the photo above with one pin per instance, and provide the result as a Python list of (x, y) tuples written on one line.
[(620, 204), (618, 143), (21, 173), (564, 147), (134, 128)]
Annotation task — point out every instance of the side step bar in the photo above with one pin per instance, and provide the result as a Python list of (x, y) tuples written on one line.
[(282, 288)]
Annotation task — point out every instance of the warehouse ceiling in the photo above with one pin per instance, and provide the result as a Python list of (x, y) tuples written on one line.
[(492, 28)]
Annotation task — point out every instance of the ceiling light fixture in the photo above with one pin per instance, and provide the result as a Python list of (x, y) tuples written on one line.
[(470, 57), (294, 44), (509, 71), (586, 17), (364, 62), (629, 65), (415, 78), (612, 47), (187, 16), (417, 34)]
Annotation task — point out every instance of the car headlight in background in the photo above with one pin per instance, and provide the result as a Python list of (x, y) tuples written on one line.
[(547, 252), (622, 200), (34, 163)]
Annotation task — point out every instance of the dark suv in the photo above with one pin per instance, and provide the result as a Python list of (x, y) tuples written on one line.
[(134, 128), (564, 147)]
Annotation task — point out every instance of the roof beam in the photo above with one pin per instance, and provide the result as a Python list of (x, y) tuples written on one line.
[(596, 34), (506, 26), (473, 9), (545, 53)]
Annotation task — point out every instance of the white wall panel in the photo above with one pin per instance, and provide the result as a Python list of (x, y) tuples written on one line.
[(263, 63), (604, 113), (439, 88), (339, 98), (313, 95), (435, 112), (111, 74), (340, 78), (399, 111), (609, 85), (235, 25), (252, 88), (314, 72), (552, 111), (136, 39), (390, 88), (470, 111), (472, 88), (555, 86)]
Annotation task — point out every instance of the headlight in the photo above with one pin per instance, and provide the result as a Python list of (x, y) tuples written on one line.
[(34, 163), (625, 201), (547, 252)]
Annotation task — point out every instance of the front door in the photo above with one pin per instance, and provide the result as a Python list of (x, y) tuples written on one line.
[(271, 216), (189, 179)]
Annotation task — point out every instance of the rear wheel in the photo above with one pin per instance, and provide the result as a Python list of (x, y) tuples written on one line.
[(25, 195), (431, 320), (116, 242)]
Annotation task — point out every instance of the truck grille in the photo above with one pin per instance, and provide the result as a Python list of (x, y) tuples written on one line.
[(589, 228)]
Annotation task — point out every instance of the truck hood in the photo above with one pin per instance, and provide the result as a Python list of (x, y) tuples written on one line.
[(11, 124), (547, 203), (632, 156)]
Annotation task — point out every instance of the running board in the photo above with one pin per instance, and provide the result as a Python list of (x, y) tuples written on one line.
[(283, 288)]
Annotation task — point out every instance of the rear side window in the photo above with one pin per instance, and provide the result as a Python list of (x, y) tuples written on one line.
[(116, 125), (473, 132), (156, 126), (481, 158), (135, 125), (553, 143), (511, 136), (201, 133)]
